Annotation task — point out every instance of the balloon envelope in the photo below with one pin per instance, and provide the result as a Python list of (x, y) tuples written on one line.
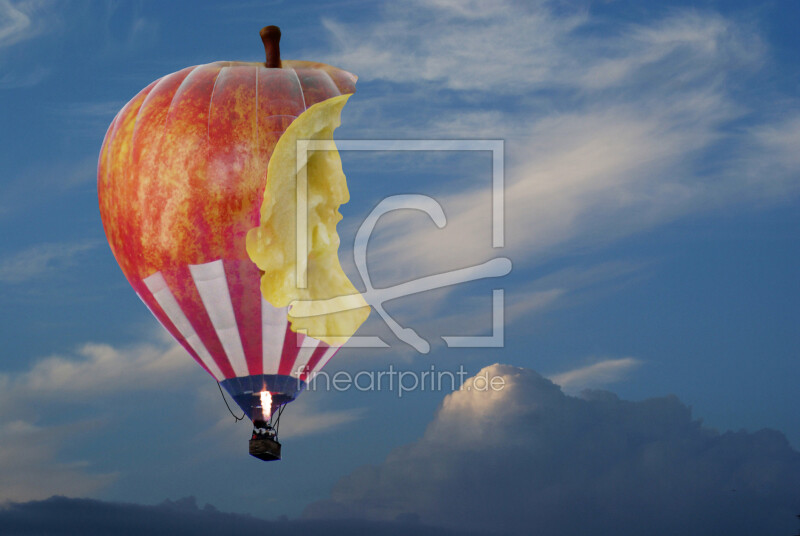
[(181, 178)]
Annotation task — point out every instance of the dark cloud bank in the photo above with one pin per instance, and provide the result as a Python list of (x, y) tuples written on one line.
[(85, 517), (527, 459), (531, 460)]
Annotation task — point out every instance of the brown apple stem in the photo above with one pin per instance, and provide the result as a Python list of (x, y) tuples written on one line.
[(271, 37)]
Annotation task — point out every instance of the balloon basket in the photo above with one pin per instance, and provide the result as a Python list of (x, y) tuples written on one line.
[(265, 449)]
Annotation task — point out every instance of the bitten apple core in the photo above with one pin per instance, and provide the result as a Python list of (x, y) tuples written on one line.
[(273, 245)]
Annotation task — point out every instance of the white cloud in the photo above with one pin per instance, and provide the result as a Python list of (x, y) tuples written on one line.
[(12, 80), (20, 21), (783, 138), (97, 375), (102, 368), (30, 468), (567, 286), (528, 457), (303, 417), (124, 29), (95, 369), (688, 45), (595, 375), (41, 259), (58, 383), (42, 181), (772, 161), (503, 46), (473, 315), (308, 419), (143, 32), (104, 111), (610, 132), (32, 450), (587, 177), (518, 48), (563, 287), (15, 22)]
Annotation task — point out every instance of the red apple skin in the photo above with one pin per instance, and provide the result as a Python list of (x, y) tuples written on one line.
[(183, 165), (182, 172)]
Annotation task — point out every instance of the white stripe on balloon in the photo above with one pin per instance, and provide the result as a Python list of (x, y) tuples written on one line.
[(322, 362), (273, 331), (303, 356), (157, 285), (211, 283)]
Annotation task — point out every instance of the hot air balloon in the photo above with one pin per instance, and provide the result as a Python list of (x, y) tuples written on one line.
[(181, 177)]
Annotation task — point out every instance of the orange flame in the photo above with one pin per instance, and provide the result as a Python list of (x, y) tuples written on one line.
[(266, 405)]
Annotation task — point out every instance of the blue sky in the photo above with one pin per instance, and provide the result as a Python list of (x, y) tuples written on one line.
[(652, 179)]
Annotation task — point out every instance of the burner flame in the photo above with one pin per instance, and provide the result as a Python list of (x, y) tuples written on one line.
[(266, 405)]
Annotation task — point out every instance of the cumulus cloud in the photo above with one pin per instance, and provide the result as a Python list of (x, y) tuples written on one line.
[(96, 369), (34, 459), (38, 407), (528, 458), (32, 447)]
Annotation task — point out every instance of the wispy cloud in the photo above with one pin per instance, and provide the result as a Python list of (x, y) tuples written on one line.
[(591, 176), (21, 21), (40, 182), (30, 467), (568, 286), (304, 417), (87, 119), (41, 259), (610, 137), (308, 419), (16, 22), (13, 80), (596, 375), (461, 46), (96, 110), (124, 29), (772, 160), (515, 47)]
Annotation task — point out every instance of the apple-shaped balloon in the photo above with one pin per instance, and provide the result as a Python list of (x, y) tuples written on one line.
[(181, 180)]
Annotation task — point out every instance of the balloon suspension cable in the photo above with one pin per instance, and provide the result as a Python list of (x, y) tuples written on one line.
[(275, 420), (228, 406)]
